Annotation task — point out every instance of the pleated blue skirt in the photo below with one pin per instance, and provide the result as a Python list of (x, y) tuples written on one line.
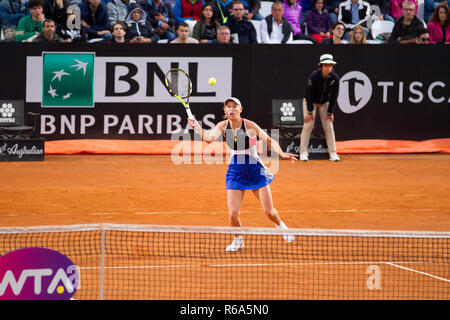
[(246, 173)]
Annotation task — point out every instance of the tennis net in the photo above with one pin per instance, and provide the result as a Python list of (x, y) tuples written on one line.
[(185, 262)]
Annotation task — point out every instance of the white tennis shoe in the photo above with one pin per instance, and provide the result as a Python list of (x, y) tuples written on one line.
[(304, 156), (238, 243), (287, 237), (334, 157)]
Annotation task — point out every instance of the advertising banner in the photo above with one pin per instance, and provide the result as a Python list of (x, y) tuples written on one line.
[(113, 92)]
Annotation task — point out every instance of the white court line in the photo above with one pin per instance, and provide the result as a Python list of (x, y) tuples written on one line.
[(294, 264), (251, 265), (247, 211), (345, 210), (103, 213), (158, 212), (179, 212), (142, 267), (289, 211), (417, 271), (243, 211)]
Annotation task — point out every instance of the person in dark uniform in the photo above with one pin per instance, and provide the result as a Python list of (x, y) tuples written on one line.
[(246, 171), (321, 95)]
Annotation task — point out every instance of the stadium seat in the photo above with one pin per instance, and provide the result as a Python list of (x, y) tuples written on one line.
[(370, 41), (381, 26), (300, 41), (266, 8), (421, 9), (191, 24), (257, 25)]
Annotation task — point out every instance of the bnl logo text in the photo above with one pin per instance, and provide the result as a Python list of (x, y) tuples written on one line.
[(128, 72)]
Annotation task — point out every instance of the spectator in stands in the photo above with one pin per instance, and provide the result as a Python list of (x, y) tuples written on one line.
[(161, 17), (223, 35), (223, 9), (293, 14), (94, 17), (118, 10), (252, 9), (439, 25), (406, 27), (183, 32), (337, 31), (332, 7), (396, 8), (56, 10), (48, 33), (318, 21), (352, 13), (275, 28), (205, 30), (431, 6), (187, 10), (358, 36), (69, 32), (239, 25), (423, 36), (119, 32), (31, 26), (11, 11), (383, 13), (138, 28), (306, 8)]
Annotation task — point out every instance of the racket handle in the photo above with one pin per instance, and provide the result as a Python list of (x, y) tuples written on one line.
[(190, 115)]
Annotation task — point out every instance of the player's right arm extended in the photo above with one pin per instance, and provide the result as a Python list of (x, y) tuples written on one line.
[(208, 135)]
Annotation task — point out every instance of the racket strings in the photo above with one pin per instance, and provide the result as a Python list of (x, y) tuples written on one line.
[(179, 83)]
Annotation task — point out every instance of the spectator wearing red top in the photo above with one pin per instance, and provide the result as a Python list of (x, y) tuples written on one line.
[(188, 10)]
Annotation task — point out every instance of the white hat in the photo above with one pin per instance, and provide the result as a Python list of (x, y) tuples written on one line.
[(236, 100), (326, 58)]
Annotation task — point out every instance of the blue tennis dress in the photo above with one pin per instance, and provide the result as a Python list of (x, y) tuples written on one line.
[(245, 170)]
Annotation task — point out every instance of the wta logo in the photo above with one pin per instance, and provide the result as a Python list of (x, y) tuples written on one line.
[(37, 274)]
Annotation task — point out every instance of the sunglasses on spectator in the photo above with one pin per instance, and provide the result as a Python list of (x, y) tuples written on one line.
[(424, 39)]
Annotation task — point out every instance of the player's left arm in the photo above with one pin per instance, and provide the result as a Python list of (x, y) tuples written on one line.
[(254, 129)]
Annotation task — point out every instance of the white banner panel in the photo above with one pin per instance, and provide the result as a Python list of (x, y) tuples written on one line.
[(139, 79)]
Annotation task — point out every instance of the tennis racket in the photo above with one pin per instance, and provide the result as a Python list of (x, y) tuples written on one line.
[(180, 86)]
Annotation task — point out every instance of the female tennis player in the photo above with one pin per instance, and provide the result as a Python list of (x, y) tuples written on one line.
[(246, 170)]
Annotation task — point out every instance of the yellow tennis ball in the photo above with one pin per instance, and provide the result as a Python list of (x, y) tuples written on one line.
[(212, 81)]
